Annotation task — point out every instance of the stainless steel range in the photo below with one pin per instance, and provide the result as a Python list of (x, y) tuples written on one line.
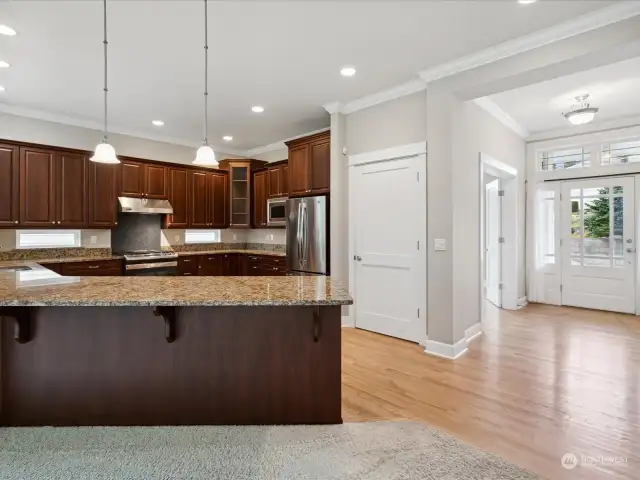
[(151, 263)]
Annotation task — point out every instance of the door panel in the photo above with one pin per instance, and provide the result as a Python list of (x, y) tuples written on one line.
[(9, 185), (386, 271), (72, 190), (598, 238), (493, 257), (179, 198), (199, 201), (103, 195), (37, 194), (155, 182)]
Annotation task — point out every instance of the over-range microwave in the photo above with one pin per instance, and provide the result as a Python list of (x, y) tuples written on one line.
[(276, 212)]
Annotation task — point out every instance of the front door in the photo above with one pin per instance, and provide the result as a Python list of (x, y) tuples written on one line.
[(493, 257), (387, 208), (598, 244)]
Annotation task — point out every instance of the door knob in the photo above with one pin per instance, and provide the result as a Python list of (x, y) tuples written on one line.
[(631, 250), (359, 258)]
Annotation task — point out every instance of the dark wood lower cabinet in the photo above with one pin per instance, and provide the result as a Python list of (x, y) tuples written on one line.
[(231, 264), (94, 268)]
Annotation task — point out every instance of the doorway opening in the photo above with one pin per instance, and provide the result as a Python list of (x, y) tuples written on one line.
[(498, 233)]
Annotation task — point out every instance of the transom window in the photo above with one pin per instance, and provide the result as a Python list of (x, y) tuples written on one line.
[(621, 152), (565, 159)]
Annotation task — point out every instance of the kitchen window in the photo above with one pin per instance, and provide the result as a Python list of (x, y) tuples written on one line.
[(202, 236), (48, 238)]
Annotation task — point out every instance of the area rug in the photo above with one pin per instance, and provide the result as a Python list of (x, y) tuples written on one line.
[(377, 450)]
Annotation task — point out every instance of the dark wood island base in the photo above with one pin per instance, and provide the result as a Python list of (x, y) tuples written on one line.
[(169, 365)]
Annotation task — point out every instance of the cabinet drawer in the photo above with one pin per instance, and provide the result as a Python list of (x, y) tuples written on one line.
[(94, 268), (188, 265), (275, 261)]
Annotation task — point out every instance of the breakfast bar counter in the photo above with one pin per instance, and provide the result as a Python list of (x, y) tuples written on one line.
[(168, 350)]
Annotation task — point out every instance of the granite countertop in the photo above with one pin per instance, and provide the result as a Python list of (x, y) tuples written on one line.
[(42, 287), (269, 253), (48, 261)]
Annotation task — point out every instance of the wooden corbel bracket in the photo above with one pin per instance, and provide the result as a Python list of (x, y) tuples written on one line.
[(22, 316), (169, 315)]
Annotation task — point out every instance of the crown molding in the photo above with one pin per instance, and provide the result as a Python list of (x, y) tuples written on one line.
[(93, 125), (333, 107), (561, 31), (402, 90), (503, 117), (280, 144)]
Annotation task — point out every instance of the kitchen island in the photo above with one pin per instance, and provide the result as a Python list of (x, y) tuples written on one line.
[(169, 350)]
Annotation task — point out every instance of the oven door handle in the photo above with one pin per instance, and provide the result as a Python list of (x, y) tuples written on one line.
[(147, 266)]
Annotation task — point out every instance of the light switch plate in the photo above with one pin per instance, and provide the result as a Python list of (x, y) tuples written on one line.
[(93, 239), (235, 237), (439, 244), (176, 238)]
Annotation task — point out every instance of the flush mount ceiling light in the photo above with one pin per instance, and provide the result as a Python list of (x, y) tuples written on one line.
[(527, 2), (4, 64), (157, 123), (581, 112), (257, 109), (348, 71), (205, 154), (8, 31), (104, 152), (227, 138), (2, 88)]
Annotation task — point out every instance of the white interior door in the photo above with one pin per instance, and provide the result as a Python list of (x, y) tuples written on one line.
[(493, 251), (598, 244), (387, 287)]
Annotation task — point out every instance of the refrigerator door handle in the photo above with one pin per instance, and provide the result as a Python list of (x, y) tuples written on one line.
[(299, 236), (305, 232)]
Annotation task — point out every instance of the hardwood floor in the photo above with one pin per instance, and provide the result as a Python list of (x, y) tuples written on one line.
[(539, 383)]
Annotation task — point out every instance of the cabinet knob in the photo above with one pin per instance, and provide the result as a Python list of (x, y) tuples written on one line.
[(53, 223), (16, 222), (58, 222)]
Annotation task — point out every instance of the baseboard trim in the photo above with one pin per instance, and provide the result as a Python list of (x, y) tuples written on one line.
[(522, 302), (445, 350), (347, 322), (472, 332)]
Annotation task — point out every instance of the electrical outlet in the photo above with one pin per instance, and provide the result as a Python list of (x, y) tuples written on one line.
[(440, 245), (271, 237), (93, 239), (176, 238), (235, 237)]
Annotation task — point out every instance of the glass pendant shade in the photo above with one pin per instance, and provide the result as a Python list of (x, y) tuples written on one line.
[(206, 156), (104, 153), (581, 117)]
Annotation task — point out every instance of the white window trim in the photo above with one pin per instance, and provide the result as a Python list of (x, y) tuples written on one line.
[(31, 239), (192, 236)]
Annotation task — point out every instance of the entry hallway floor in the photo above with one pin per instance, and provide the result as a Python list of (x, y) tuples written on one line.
[(538, 384), (378, 450)]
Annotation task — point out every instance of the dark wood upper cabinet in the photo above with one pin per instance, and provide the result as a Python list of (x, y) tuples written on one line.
[(299, 171), (155, 180), (273, 181), (178, 184), (284, 180), (71, 190), (219, 197), (9, 185), (199, 200), (260, 199), (320, 164), (309, 165), (103, 195), (131, 179), (37, 194)]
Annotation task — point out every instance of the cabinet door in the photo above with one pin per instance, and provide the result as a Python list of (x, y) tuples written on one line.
[(37, 194), (179, 198), (198, 195), (284, 180), (273, 182), (155, 182), (103, 195), (299, 172), (242, 267), (260, 199), (320, 163), (72, 190), (132, 179), (9, 185), (240, 195), (219, 198)]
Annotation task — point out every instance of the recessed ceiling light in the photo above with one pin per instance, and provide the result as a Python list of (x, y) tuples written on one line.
[(5, 30), (158, 123), (257, 109), (526, 2), (227, 138), (1, 88), (348, 71), (4, 64)]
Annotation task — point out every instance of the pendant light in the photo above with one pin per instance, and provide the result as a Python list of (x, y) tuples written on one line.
[(205, 154), (104, 152), (582, 112)]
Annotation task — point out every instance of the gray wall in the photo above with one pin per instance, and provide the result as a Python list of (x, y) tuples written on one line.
[(398, 122)]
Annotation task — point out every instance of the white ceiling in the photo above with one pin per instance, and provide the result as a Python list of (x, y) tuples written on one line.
[(285, 56), (614, 89)]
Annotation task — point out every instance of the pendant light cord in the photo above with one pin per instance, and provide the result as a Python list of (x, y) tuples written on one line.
[(206, 72), (105, 70)]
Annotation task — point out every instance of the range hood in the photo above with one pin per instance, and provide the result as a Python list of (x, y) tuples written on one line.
[(145, 205)]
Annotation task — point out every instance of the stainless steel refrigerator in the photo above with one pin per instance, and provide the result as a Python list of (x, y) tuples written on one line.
[(308, 236)]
